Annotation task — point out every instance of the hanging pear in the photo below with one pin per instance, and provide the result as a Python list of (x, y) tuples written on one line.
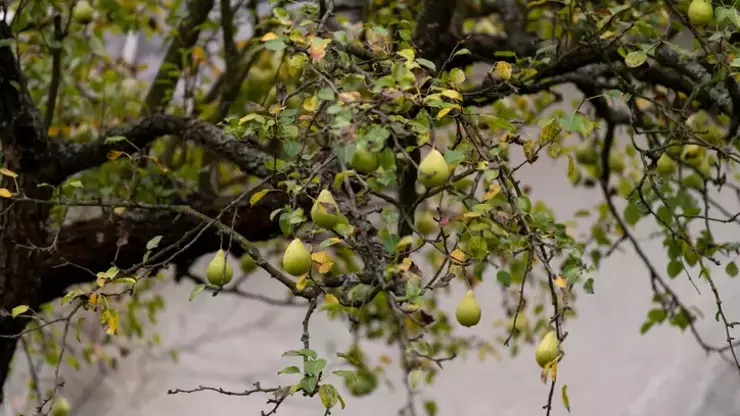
[(83, 12), (325, 211), (219, 271), (548, 349), (666, 166), (297, 259), (468, 311), (247, 263), (701, 12), (363, 160), (433, 170)]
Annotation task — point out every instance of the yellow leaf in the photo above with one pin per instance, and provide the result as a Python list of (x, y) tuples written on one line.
[(570, 165), (330, 299), (443, 112), (119, 210), (385, 359), (311, 103), (269, 36), (111, 320), (560, 282), (554, 370), (452, 94), (4, 193), (326, 267), (53, 131), (404, 242), (258, 196), (503, 69), (472, 214), (405, 264), (493, 190), (302, 282), (320, 257), (199, 54), (458, 255), (114, 154), (94, 299), (7, 172)]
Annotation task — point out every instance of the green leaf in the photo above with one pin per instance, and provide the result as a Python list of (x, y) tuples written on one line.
[(114, 139), (314, 367), (431, 408), (632, 214), (504, 277), (303, 352), (275, 45), (326, 94), (566, 400), (454, 156), (329, 395), (427, 64), (657, 315), (415, 377), (635, 59), (19, 310), (588, 287), (674, 268), (196, 290), (290, 370), (78, 328), (731, 269), (308, 384), (462, 51), (153, 243)]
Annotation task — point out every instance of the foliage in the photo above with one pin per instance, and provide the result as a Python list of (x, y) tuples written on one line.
[(233, 139)]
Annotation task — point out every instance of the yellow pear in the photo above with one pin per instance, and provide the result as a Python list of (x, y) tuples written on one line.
[(82, 11), (548, 349), (297, 259), (247, 263), (468, 311), (433, 170), (522, 324), (616, 161), (325, 211), (700, 12), (363, 160), (219, 271)]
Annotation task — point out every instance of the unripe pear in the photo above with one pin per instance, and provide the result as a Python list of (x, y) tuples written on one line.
[(548, 349), (522, 324), (701, 12), (693, 155), (468, 311), (433, 170), (219, 271), (587, 155), (61, 407), (363, 160), (665, 165), (247, 263), (325, 211), (425, 223), (616, 161), (82, 12), (297, 259)]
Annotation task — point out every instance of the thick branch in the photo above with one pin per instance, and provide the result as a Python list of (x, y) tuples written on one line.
[(76, 157)]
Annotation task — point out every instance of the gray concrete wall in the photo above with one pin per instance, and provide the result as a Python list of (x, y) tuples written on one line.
[(611, 369)]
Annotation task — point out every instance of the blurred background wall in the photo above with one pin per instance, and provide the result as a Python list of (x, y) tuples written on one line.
[(610, 369)]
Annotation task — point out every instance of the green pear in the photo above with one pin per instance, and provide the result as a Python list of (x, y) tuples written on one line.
[(694, 155), (297, 259), (247, 263), (522, 324), (586, 154), (548, 349), (325, 211), (61, 407), (363, 160), (666, 166), (616, 161), (219, 271), (82, 12), (433, 170), (468, 311), (425, 223), (701, 12)]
